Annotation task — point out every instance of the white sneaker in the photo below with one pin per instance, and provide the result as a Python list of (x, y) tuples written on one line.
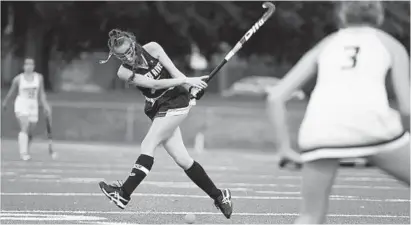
[(25, 157), (53, 155)]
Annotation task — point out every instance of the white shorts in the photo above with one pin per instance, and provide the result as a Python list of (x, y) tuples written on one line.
[(356, 151), (354, 134), (27, 108)]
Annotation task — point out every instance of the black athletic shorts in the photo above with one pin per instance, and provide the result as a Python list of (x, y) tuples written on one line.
[(174, 102)]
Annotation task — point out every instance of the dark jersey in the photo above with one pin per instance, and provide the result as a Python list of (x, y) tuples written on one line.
[(163, 101), (155, 71)]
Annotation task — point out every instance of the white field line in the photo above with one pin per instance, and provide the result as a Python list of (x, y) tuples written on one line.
[(88, 166), (112, 223), (93, 180), (337, 198), (367, 179), (178, 173), (46, 217), (196, 213)]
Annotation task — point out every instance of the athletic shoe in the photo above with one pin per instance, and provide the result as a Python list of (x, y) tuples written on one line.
[(223, 202), (115, 194), (54, 155), (25, 157)]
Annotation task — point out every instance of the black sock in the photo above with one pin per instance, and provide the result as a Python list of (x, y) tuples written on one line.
[(30, 138), (138, 173), (197, 174)]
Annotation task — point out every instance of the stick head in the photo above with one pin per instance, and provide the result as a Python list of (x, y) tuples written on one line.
[(271, 8), (268, 5)]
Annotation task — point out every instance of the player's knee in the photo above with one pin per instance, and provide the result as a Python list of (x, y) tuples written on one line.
[(185, 162), (149, 145), (24, 127), (24, 130), (151, 142), (23, 133)]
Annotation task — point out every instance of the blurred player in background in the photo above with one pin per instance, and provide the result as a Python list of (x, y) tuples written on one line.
[(30, 87), (348, 114), (167, 104)]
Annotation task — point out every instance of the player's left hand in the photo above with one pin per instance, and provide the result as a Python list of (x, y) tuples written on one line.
[(196, 93), (289, 155)]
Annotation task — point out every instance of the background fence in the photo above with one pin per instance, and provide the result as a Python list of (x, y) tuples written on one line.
[(223, 126)]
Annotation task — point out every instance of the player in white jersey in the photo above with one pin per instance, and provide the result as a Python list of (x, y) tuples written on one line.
[(30, 87), (348, 114)]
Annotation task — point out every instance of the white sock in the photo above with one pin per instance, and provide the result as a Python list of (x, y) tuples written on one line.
[(23, 143)]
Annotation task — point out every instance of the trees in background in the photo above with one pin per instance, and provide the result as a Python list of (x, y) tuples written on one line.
[(41, 29)]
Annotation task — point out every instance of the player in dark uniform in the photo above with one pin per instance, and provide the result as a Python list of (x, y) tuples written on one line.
[(167, 104)]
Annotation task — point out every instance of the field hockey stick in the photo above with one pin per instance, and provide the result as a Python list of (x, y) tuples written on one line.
[(271, 8), (49, 134)]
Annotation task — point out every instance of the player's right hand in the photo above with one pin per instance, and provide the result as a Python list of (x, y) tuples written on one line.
[(196, 93), (197, 82), (4, 106)]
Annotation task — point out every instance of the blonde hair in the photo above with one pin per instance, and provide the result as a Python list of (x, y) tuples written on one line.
[(361, 12), (116, 38)]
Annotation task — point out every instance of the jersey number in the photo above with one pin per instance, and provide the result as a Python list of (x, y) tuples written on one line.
[(31, 92), (351, 52)]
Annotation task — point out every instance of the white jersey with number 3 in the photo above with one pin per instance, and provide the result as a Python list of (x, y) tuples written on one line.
[(26, 103), (349, 105)]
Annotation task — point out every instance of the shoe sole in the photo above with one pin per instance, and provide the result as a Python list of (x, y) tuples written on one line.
[(115, 201)]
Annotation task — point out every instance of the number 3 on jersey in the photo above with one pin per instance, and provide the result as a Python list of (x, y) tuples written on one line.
[(351, 53)]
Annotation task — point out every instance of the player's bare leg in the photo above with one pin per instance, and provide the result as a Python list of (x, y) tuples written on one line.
[(177, 150), (30, 132), (318, 178), (23, 137), (396, 163)]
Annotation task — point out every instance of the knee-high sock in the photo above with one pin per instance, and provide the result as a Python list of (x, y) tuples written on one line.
[(23, 140), (140, 170), (198, 175)]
